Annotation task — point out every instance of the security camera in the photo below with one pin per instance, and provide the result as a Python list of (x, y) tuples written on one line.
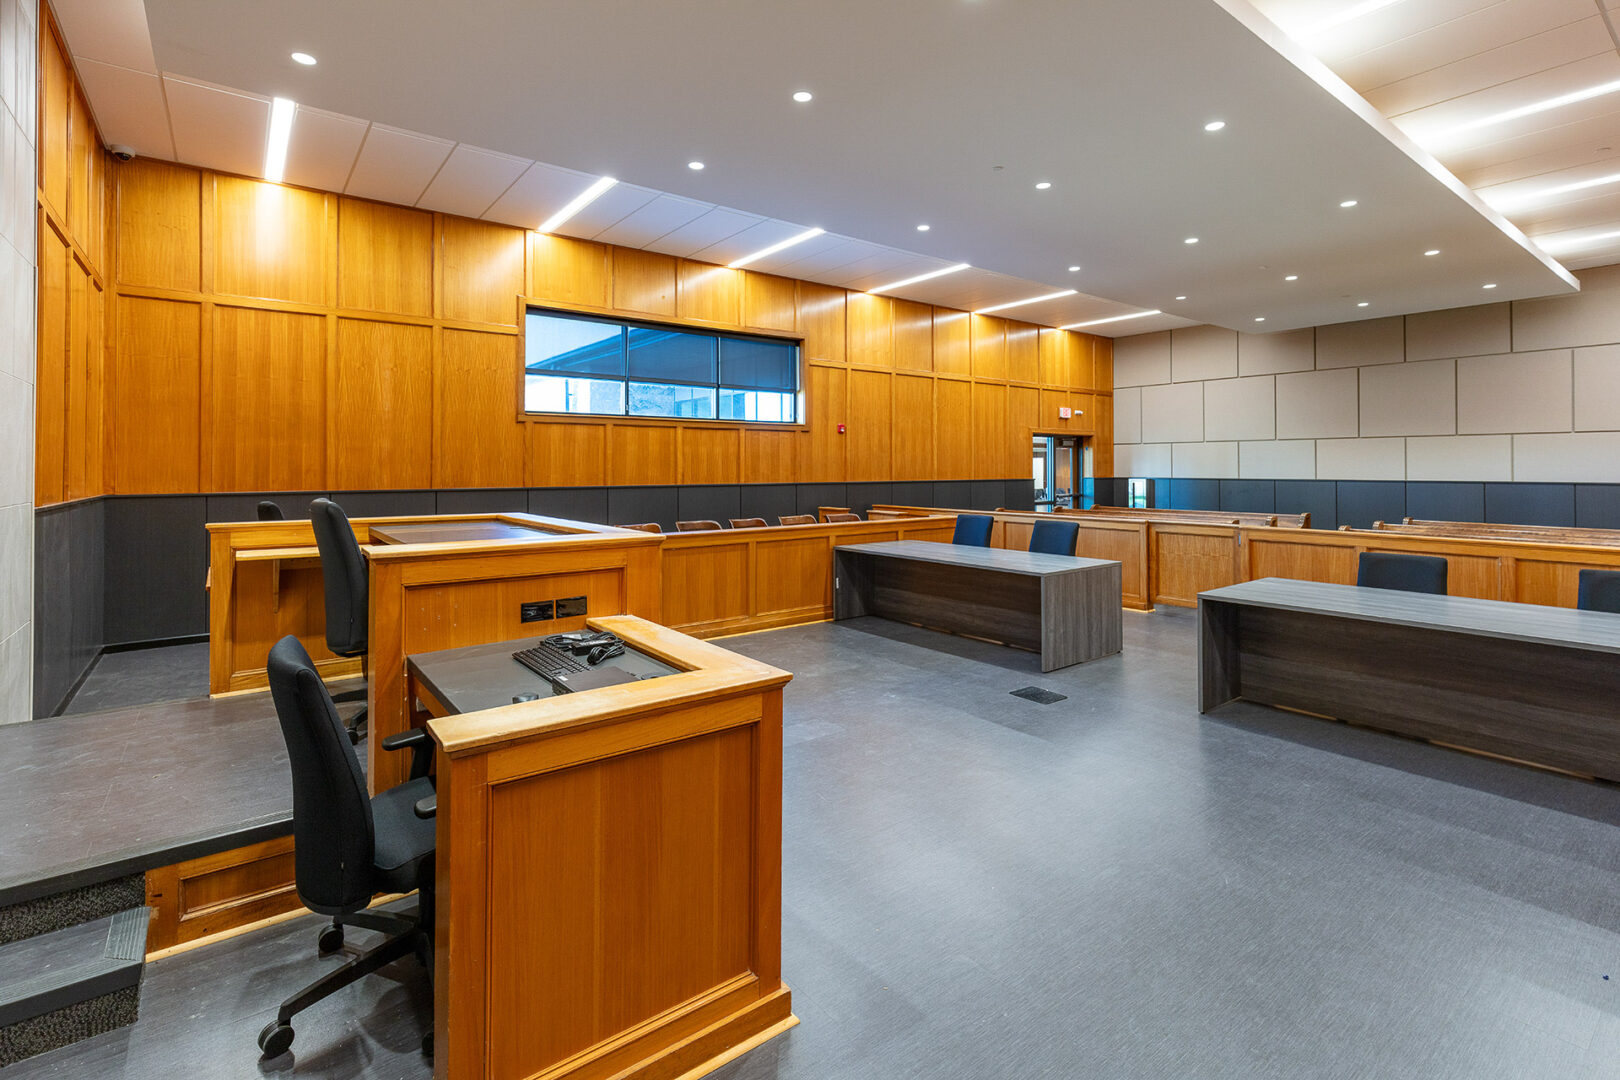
[(122, 153)]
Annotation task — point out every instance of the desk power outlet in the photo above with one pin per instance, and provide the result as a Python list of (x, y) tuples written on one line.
[(570, 607), (536, 611)]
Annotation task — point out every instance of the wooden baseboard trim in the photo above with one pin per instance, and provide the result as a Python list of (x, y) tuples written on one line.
[(260, 924)]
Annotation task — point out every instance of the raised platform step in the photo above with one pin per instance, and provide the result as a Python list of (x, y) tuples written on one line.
[(69, 984)]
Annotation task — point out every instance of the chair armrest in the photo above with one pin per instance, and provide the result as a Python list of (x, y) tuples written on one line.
[(428, 807), (420, 744)]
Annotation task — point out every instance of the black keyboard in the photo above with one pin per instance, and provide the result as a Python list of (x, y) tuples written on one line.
[(549, 661)]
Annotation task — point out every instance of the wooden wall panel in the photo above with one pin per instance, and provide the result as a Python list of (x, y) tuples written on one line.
[(1023, 419), (821, 321), (770, 302), (989, 346), (1102, 361), (953, 425), (953, 351), (828, 394), (871, 330), (1056, 349), (159, 225), (711, 455), (709, 293), (385, 258), (483, 271), (770, 457), (989, 430), (913, 427), (1102, 444), (270, 240), (83, 203), (643, 282), (565, 454), (476, 442), (154, 400), (380, 424), (268, 396), (96, 402), (50, 387), (1023, 352), (55, 109), (1084, 420), (871, 419), (563, 270), (643, 454), (913, 336), (77, 432)]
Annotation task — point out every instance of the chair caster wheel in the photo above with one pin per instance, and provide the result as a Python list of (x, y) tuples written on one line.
[(354, 736), (427, 1044), (330, 940), (276, 1038)]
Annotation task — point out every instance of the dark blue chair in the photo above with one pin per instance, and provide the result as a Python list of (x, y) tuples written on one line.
[(1406, 573), (1054, 537), (973, 530), (1599, 591)]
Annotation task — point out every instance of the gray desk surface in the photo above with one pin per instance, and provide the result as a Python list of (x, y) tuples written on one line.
[(986, 558), (429, 532), (1597, 631), (476, 677)]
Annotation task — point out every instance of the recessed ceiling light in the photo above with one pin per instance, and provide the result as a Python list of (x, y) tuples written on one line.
[(1043, 185), (1347, 204), (924, 228), (1074, 269), (1432, 251), (1215, 125), (1259, 318), (275, 151), (695, 166), (1362, 304), (1291, 277), (903, 282), (303, 58), (798, 238), (802, 96), (1027, 300), (1181, 298), (1112, 318), (576, 204), (1190, 240), (1492, 285)]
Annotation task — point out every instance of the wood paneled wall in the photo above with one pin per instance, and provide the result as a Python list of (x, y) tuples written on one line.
[(73, 256), (266, 337)]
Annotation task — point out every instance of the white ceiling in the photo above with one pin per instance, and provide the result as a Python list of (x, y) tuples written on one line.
[(937, 111)]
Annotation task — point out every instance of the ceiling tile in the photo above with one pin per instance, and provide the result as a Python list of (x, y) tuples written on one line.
[(217, 129), (750, 240), (658, 217), (129, 108), (711, 228), (803, 260), (471, 180), (1402, 55), (107, 31), (323, 149), (537, 194), (613, 206), (396, 166)]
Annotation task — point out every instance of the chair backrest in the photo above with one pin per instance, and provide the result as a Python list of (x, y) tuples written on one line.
[(696, 526), (645, 526), (1599, 590), (843, 517), (747, 523), (270, 511), (1408, 573), (333, 838), (973, 530), (1054, 537), (797, 519), (347, 587)]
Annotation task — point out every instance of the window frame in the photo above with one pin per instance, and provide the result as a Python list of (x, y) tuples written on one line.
[(801, 397)]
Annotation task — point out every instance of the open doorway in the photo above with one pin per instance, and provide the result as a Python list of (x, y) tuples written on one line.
[(1062, 472)]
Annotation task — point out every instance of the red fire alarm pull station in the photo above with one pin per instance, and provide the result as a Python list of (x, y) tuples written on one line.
[(840, 429), (1063, 412)]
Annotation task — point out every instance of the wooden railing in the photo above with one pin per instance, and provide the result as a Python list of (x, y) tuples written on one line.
[(1550, 534)]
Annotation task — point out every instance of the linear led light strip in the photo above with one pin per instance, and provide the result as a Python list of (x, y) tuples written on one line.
[(780, 245), (1354, 11), (1029, 300), (920, 277), (1112, 318), (578, 203), (1538, 107), (1548, 193), (1553, 245), (275, 152)]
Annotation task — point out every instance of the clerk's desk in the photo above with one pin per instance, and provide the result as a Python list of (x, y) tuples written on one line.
[(609, 863)]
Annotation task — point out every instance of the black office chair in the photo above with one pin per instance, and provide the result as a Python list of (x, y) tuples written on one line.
[(1599, 590), (1407, 573), (348, 602), (1054, 537), (973, 530), (270, 511), (347, 848)]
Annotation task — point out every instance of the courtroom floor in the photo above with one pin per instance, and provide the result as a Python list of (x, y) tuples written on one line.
[(142, 677), (1111, 886)]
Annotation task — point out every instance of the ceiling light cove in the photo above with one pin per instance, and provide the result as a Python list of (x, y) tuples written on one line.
[(1545, 105), (1354, 11), (1215, 125), (1115, 318), (903, 282), (780, 245), (275, 151), (303, 58), (1514, 201), (1031, 300), (1559, 244), (803, 96), (576, 204)]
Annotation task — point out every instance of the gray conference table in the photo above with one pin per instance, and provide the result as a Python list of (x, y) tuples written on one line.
[(1064, 607), (1523, 681)]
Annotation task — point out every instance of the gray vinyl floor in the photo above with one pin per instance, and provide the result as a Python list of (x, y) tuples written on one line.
[(143, 677), (1110, 886)]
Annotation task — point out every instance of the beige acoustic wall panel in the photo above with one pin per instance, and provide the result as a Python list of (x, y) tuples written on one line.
[(1597, 388), (1173, 413), (1144, 459), (1318, 405), (1470, 331), (1240, 408), (1515, 392), (1142, 359), (1128, 415), (1579, 457), (1287, 459), (1358, 344), (1409, 399), (1460, 457), (1203, 352), (1589, 317), (1361, 459), (1271, 354), (1204, 459)]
